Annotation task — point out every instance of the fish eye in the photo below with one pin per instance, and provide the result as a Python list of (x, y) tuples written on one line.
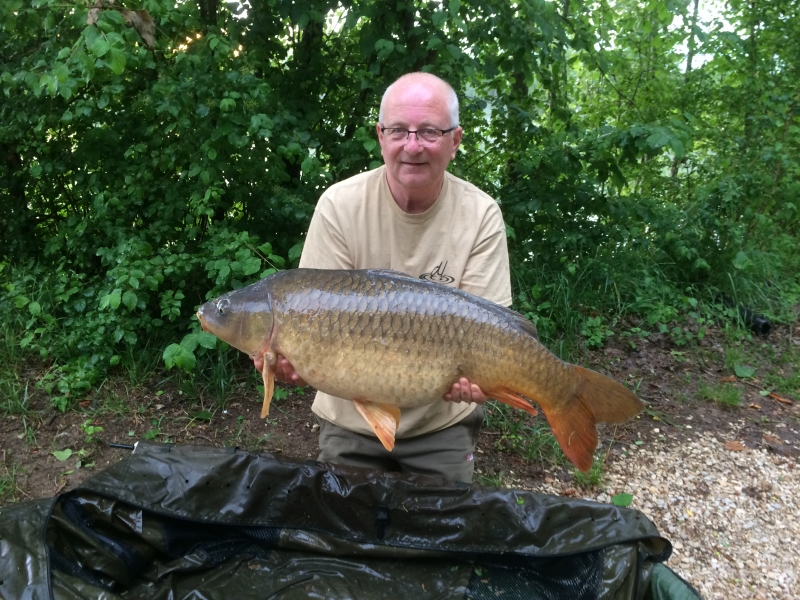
[(222, 305)]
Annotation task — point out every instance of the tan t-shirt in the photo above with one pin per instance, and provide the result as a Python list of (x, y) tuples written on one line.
[(460, 241)]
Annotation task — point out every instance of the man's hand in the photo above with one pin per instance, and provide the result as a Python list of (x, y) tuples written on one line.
[(284, 371), (464, 391)]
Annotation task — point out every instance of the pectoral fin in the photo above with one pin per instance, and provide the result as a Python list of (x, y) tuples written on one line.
[(268, 375), (382, 418)]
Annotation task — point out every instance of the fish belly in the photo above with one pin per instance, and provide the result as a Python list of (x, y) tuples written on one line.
[(376, 363), (388, 341)]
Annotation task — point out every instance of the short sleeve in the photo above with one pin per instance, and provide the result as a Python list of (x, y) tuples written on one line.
[(325, 246), (487, 273)]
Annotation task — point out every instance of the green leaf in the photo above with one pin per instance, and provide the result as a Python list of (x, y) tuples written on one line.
[(116, 60), (176, 355), (35, 309), (295, 251), (62, 455), (369, 145), (202, 415), (741, 261), (677, 148), (622, 499), (206, 340), (21, 301), (129, 299), (251, 265), (454, 51), (111, 300), (744, 371), (99, 47)]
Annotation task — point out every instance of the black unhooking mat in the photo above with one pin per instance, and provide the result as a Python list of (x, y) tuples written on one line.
[(180, 522)]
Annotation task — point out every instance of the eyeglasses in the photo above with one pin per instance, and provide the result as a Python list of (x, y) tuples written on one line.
[(430, 135)]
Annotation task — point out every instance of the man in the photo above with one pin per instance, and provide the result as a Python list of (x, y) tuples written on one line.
[(410, 215)]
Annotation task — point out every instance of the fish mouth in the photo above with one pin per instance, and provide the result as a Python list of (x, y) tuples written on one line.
[(199, 315)]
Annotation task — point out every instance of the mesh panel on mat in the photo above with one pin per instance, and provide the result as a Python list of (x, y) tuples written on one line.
[(577, 577), (218, 543)]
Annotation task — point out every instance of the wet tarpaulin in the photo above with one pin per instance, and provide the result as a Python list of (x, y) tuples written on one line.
[(208, 523)]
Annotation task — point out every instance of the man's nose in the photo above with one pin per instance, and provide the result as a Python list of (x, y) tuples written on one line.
[(412, 143)]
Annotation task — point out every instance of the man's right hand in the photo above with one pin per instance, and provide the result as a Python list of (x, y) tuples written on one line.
[(284, 371)]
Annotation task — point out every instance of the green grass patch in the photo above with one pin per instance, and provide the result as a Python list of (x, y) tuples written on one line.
[(724, 394), (593, 477), (530, 439), (9, 486)]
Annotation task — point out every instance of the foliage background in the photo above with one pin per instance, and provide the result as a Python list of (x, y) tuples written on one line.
[(645, 156)]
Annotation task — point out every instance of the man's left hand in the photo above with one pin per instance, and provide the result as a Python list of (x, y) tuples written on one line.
[(464, 391)]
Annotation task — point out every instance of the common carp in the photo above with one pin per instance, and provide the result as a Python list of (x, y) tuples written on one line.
[(389, 341)]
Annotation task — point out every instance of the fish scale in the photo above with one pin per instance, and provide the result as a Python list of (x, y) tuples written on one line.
[(389, 341)]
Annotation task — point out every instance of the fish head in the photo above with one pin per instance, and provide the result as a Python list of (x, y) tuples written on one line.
[(241, 318)]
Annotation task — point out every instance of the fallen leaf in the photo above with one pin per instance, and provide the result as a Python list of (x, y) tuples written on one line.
[(84, 403), (771, 439), (570, 492), (780, 399), (734, 446), (728, 379), (622, 499), (756, 406)]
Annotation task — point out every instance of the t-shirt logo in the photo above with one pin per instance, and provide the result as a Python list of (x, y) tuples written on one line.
[(437, 274)]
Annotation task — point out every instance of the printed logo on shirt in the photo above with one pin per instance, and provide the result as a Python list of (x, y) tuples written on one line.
[(437, 274)]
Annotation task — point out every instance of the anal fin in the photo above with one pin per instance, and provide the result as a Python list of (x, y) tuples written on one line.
[(382, 418), (506, 396)]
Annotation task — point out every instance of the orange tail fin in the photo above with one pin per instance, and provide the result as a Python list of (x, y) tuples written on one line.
[(598, 399)]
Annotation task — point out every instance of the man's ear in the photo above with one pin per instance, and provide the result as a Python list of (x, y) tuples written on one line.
[(457, 134)]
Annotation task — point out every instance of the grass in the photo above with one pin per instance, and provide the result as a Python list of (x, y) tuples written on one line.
[(490, 479), (9, 485), (593, 477), (533, 442), (13, 393), (723, 394)]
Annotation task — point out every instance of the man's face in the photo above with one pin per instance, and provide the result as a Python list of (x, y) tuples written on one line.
[(411, 165)]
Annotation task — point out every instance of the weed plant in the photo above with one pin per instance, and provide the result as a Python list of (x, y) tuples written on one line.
[(723, 394), (9, 487), (533, 442), (593, 477)]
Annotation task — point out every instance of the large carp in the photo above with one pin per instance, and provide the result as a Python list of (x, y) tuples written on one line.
[(389, 341)]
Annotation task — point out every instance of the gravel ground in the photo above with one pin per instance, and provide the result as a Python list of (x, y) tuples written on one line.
[(730, 512)]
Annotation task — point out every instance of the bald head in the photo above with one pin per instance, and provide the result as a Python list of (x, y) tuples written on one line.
[(432, 83)]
